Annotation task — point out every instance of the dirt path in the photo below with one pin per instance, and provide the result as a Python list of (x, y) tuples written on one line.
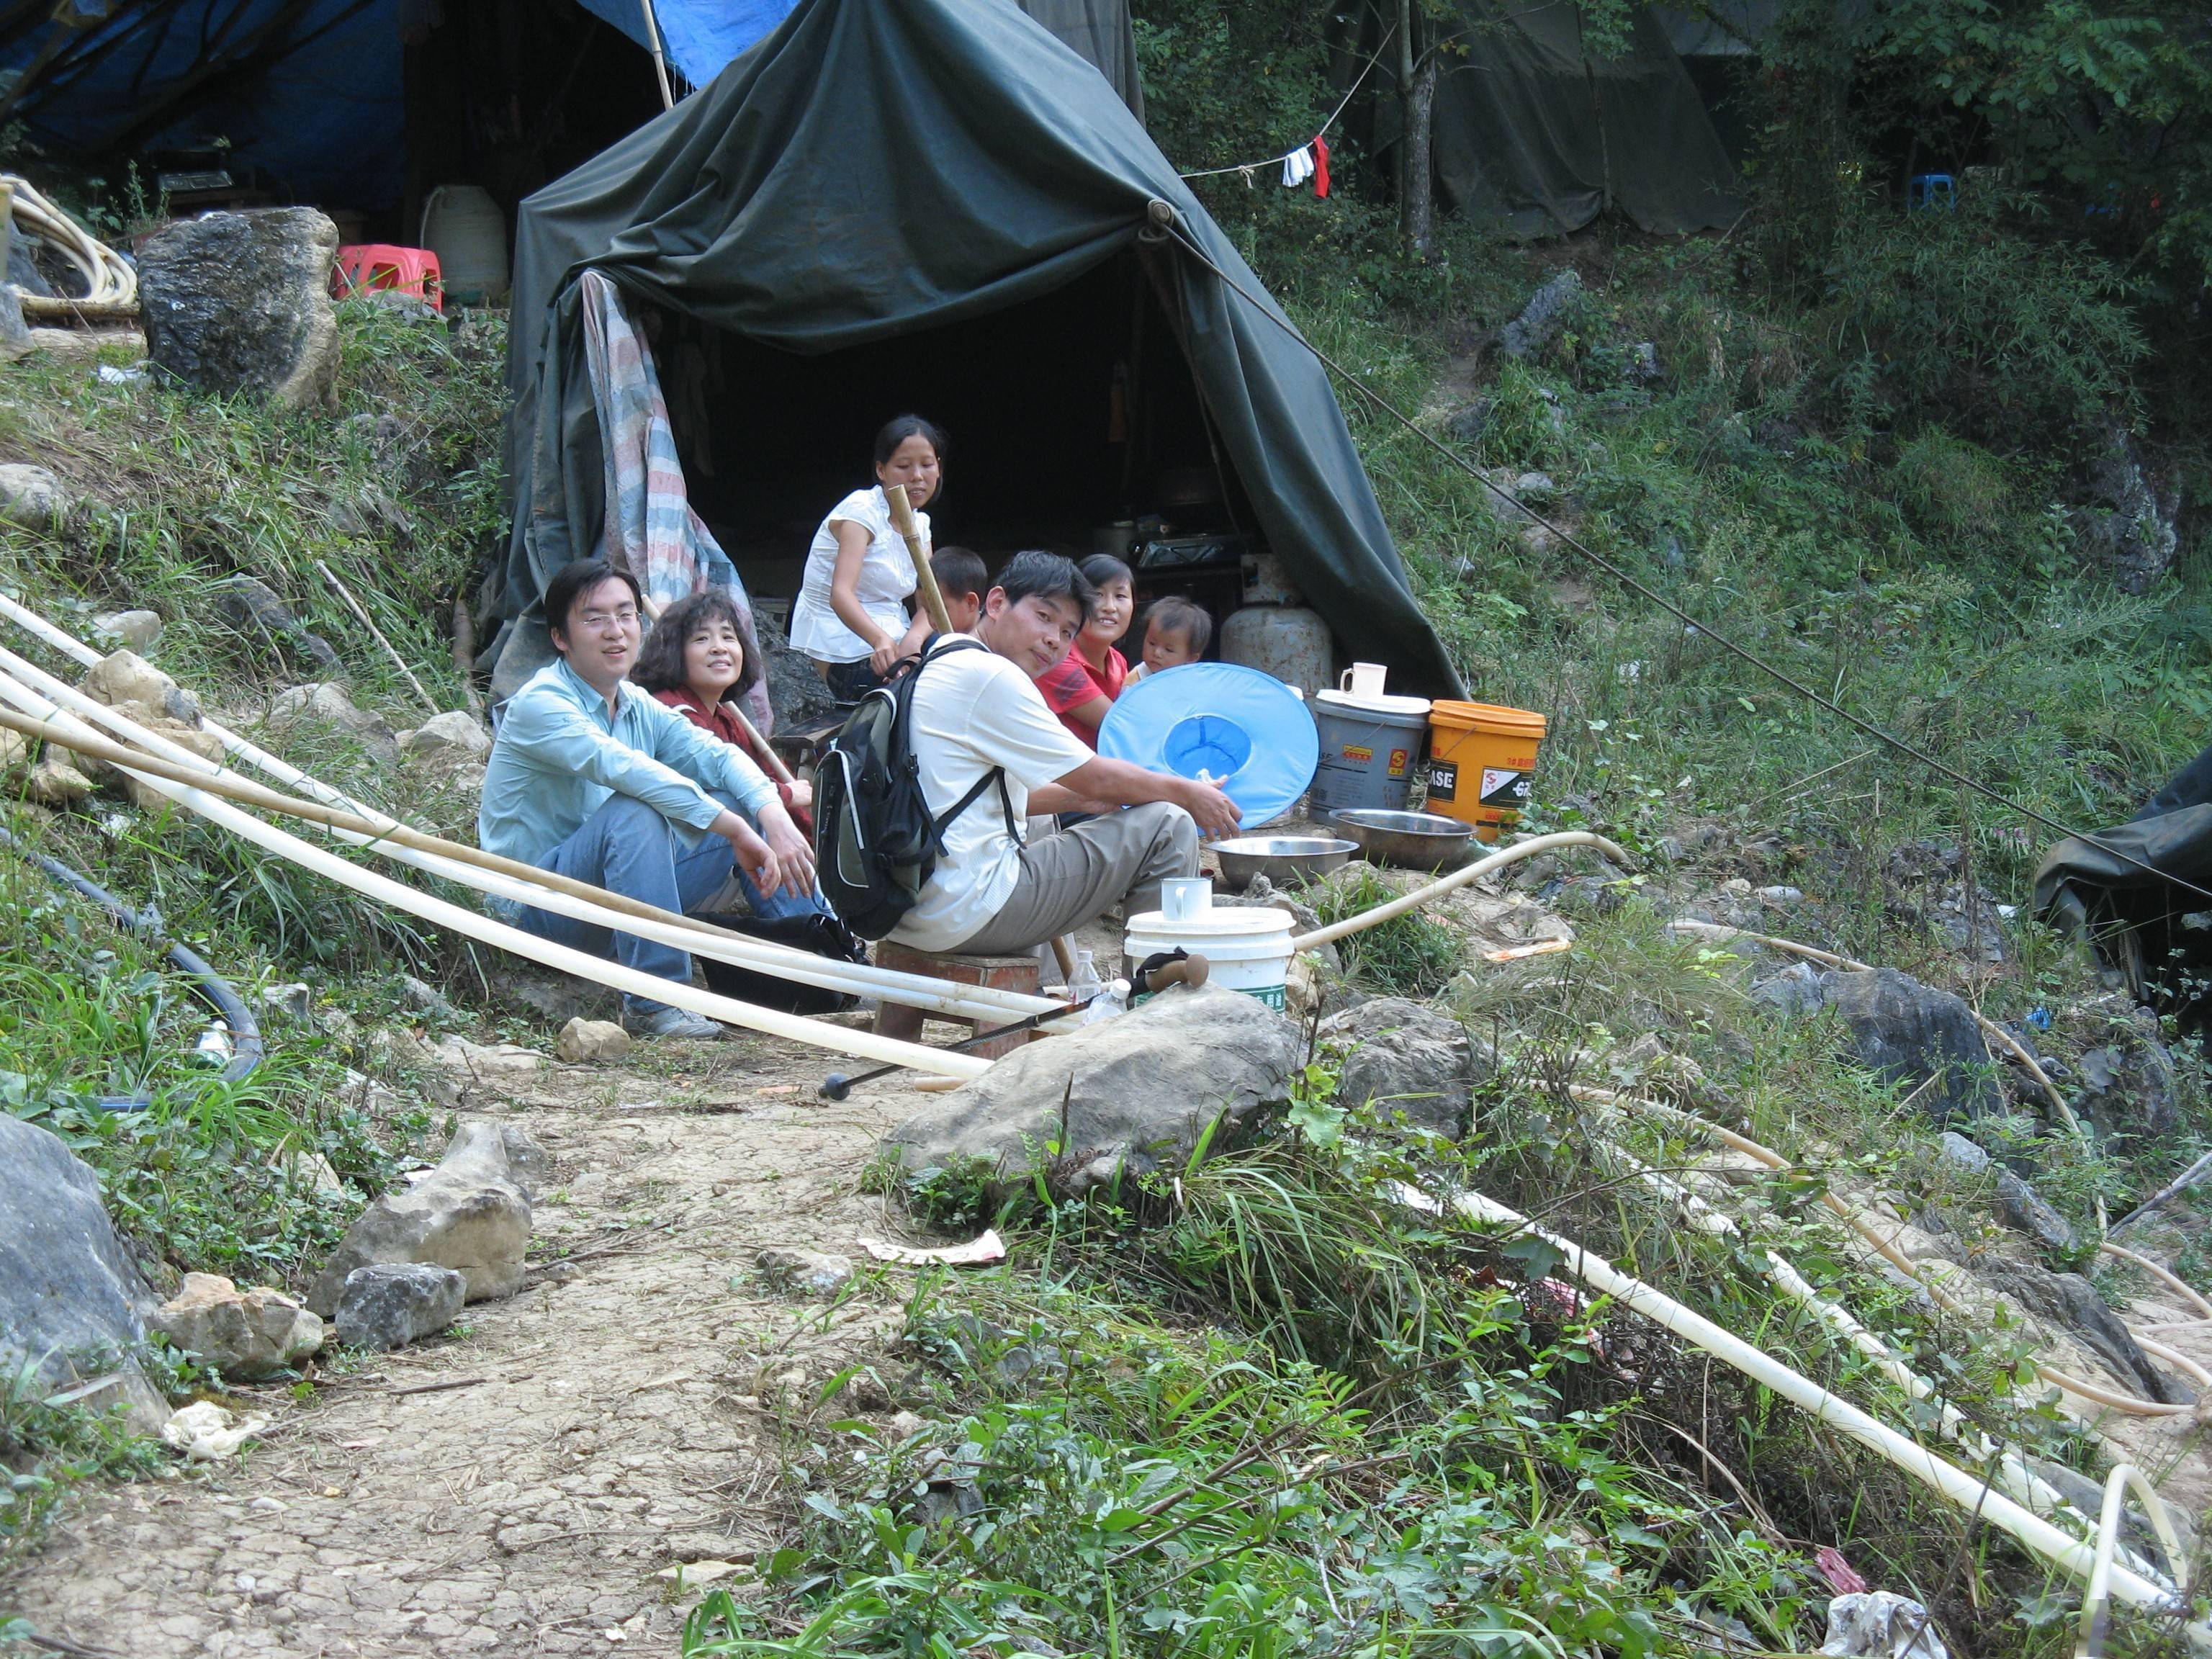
[(613, 1426)]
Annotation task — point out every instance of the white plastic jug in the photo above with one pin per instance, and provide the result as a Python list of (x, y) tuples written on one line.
[(463, 227)]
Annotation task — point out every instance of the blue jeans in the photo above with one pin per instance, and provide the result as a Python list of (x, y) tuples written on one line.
[(628, 847)]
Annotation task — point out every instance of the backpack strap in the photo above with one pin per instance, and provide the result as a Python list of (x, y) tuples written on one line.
[(997, 775)]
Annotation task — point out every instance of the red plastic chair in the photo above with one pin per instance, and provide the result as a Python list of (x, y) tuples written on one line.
[(364, 266)]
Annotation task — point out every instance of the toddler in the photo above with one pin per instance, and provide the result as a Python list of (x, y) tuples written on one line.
[(1177, 631)]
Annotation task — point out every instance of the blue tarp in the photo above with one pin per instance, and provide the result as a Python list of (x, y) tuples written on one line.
[(701, 40)]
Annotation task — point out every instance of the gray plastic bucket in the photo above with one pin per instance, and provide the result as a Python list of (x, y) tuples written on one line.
[(1368, 756)]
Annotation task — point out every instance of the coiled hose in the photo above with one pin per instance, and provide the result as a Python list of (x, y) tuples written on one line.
[(245, 1031)]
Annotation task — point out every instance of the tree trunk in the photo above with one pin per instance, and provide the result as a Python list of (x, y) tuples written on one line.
[(1402, 73), (1416, 222)]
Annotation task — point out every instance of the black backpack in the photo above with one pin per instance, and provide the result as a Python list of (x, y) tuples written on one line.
[(875, 841)]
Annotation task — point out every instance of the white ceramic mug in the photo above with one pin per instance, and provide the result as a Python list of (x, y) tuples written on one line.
[(1182, 897), (1362, 679)]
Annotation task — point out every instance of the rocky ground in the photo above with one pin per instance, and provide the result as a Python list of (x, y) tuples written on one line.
[(516, 1486)]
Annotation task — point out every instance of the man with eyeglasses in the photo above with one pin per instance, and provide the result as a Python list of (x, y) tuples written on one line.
[(591, 778)]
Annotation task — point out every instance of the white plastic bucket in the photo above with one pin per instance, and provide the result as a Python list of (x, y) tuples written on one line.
[(1248, 949), (463, 227)]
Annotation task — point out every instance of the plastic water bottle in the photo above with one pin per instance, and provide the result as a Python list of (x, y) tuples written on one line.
[(1084, 983)]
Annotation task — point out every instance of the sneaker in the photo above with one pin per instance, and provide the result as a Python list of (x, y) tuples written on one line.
[(674, 1022)]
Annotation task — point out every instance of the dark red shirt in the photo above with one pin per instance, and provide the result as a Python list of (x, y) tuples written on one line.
[(721, 721), (1072, 682)]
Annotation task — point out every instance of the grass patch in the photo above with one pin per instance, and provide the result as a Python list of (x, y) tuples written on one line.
[(1413, 955)]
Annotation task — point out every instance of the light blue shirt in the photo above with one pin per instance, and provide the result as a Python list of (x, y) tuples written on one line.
[(559, 757)]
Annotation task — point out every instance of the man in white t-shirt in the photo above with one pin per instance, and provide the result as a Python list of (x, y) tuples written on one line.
[(991, 894)]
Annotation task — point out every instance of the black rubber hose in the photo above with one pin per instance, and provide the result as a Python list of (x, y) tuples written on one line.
[(246, 1048)]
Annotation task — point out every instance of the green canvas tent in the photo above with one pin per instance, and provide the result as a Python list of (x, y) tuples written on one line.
[(936, 205)]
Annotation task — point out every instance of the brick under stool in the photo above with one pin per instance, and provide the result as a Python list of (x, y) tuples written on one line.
[(995, 973)]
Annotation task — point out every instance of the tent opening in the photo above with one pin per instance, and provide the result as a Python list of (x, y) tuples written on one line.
[(1073, 420)]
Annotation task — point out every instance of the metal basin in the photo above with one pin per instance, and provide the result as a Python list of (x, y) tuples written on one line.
[(1412, 840), (1284, 861)]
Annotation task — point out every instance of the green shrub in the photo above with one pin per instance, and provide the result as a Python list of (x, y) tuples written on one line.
[(1949, 488), (1964, 318)]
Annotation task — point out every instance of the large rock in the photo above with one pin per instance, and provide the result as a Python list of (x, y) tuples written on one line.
[(1922, 1039), (448, 739), (1408, 1060), (2129, 1084), (1137, 1092), (240, 303), (471, 1213), (123, 679), (140, 630), (795, 686), (388, 1304), (72, 1303), (325, 705), (582, 1041), (33, 496), (2127, 528), (1531, 333), (2023, 1208), (251, 607), (245, 1334), (2071, 1304)]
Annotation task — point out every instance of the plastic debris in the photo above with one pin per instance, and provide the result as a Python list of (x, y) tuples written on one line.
[(989, 1248)]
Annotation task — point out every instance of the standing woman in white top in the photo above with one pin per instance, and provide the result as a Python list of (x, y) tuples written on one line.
[(852, 616)]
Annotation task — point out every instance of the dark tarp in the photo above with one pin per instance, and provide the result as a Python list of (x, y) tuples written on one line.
[(1537, 130), (2141, 921), (309, 91), (876, 168)]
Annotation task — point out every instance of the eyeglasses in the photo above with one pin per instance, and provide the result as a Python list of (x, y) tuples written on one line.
[(600, 621)]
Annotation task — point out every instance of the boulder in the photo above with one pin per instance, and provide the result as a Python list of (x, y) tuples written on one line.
[(388, 1304), (452, 735), (251, 607), (140, 630), (240, 303), (1132, 1092), (72, 1303), (490, 1065), (795, 686), (245, 1334), (15, 750), (327, 706), (471, 1213), (32, 497), (586, 1040), (2020, 1205), (2128, 524), (125, 680), (1531, 333), (805, 1272), (1409, 1061), (1922, 1039), (2071, 1304), (2128, 1085), (55, 783)]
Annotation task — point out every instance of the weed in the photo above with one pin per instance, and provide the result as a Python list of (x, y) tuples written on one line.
[(1411, 955)]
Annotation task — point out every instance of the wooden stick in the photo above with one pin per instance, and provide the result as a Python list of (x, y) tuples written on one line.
[(925, 581), (377, 634), (924, 578), (776, 769)]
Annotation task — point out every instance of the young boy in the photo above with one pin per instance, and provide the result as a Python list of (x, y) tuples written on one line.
[(961, 579), (1177, 631)]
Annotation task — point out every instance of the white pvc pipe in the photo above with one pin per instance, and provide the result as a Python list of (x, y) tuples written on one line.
[(854, 979), (474, 925), (1977, 1497), (2020, 1481)]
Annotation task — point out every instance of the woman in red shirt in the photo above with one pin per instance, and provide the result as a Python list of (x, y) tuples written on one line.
[(699, 659), (1082, 685)]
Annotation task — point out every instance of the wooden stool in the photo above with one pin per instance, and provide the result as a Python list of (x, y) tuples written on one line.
[(895, 1020)]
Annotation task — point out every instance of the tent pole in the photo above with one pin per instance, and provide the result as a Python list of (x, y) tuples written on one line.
[(659, 63)]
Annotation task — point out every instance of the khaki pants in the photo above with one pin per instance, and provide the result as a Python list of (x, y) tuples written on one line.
[(1072, 877)]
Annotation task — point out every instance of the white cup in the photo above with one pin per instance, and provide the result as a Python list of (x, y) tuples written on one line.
[(1362, 679), (1184, 897)]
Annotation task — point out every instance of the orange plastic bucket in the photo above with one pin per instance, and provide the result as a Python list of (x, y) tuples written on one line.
[(1481, 759)]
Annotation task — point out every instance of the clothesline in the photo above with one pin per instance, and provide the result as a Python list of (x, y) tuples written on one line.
[(1319, 173)]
